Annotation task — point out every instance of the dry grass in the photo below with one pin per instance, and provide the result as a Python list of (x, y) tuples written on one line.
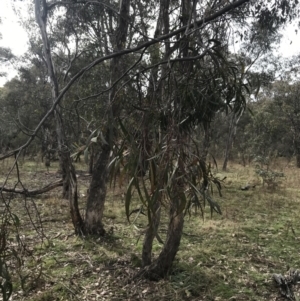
[(228, 257)]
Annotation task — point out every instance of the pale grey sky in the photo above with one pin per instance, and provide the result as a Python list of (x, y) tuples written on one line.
[(15, 37)]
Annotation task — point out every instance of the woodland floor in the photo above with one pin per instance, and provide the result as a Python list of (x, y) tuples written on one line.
[(227, 257)]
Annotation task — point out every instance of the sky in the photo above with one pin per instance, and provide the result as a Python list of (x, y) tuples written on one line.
[(14, 36)]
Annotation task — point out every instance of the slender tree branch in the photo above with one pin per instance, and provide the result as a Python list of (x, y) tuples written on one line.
[(117, 81), (33, 192), (65, 3), (116, 54)]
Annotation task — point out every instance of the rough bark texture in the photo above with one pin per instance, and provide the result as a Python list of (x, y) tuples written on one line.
[(161, 267), (298, 160), (91, 161), (97, 191), (97, 194), (150, 235)]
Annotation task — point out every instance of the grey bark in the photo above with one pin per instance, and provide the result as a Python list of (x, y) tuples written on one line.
[(97, 191), (66, 166), (162, 27)]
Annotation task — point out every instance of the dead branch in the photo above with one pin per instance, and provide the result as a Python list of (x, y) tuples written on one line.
[(33, 192)]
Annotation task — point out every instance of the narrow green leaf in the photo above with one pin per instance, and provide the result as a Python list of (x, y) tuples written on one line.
[(124, 130), (86, 156), (137, 186), (16, 220), (91, 136), (111, 167)]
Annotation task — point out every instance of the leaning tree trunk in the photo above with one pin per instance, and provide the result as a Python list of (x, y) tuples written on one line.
[(97, 191), (161, 267), (66, 165), (150, 235), (162, 27), (92, 159)]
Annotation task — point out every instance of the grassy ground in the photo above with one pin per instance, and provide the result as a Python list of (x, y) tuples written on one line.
[(227, 257)]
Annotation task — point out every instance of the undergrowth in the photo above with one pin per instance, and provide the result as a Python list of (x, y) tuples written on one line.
[(227, 257)]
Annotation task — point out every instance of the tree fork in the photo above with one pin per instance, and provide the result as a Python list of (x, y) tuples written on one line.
[(162, 266)]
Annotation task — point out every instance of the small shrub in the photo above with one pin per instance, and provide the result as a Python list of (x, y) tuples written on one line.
[(270, 177)]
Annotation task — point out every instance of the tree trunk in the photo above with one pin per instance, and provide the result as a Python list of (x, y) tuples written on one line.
[(296, 143), (161, 267), (66, 165), (229, 143), (91, 160), (97, 190), (162, 27), (97, 194), (298, 160), (150, 235), (73, 199), (231, 135)]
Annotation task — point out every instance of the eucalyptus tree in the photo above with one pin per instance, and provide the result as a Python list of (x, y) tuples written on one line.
[(21, 110), (154, 89), (85, 31), (198, 79), (265, 135), (286, 97), (256, 58)]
